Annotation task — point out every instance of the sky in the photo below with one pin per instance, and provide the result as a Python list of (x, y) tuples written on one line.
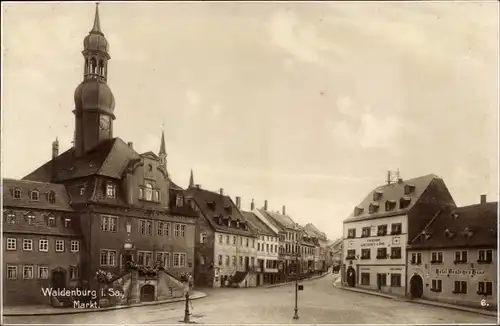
[(306, 105)]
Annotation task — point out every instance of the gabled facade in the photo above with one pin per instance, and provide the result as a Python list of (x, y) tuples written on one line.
[(378, 230), (122, 206), (454, 258), (226, 244)]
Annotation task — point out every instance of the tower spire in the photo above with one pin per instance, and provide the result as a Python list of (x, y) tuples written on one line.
[(163, 153), (191, 179), (97, 23)]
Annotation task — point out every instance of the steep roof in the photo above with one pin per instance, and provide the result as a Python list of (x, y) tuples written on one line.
[(214, 205), (271, 220), (311, 227), (396, 194), (109, 158), (61, 199), (258, 225), (449, 228), (284, 220)]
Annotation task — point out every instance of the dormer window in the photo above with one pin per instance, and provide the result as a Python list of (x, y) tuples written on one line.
[(34, 195), (156, 195), (82, 190), (377, 195), (228, 209), (51, 221), (30, 218), (148, 192), (409, 189), (11, 218), (110, 190), (454, 216), (404, 202), (358, 211), (467, 232), (179, 201), (211, 205), (449, 234), (67, 223), (51, 197), (219, 220), (17, 193), (237, 224), (389, 205), (373, 208)]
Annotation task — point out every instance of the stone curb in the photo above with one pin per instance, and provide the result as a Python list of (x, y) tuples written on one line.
[(198, 295), (293, 282), (428, 303)]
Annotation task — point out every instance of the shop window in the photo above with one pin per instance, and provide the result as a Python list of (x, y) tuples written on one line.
[(395, 280), (365, 278)]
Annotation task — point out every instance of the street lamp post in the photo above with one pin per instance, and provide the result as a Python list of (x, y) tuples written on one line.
[(186, 309), (296, 314)]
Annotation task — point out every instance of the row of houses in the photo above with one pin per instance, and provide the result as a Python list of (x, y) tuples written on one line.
[(409, 238), (102, 214)]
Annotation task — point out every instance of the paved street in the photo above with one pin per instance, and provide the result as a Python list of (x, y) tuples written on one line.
[(319, 303)]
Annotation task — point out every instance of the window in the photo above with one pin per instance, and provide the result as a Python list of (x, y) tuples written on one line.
[(247, 242), (156, 195), (365, 253), (365, 278), (203, 260), (396, 228), (166, 229), (241, 260), (365, 232), (108, 223), (148, 192), (43, 272), (67, 223), (381, 253), (28, 272), (146, 227), (51, 197), (75, 246), (436, 258), (460, 287), (383, 278), (460, 257), (220, 260), (234, 239), (227, 239), (183, 230), (227, 260), (34, 195), (395, 280), (179, 260), (11, 243), (17, 193), (141, 193), (51, 221), (267, 247), (82, 190), (485, 256), (351, 254), (382, 230), (108, 258), (27, 244), (180, 231), (11, 272), (485, 288), (351, 233), (395, 252), (179, 201), (241, 241), (220, 239), (163, 259), (253, 243), (437, 286), (11, 218), (43, 245), (30, 218), (159, 228), (373, 208), (59, 245), (416, 258), (73, 272), (233, 261), (203, 238), (110, 191)]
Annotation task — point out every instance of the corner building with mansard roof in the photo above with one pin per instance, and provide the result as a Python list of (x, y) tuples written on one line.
[(117, 204), (378, 231)]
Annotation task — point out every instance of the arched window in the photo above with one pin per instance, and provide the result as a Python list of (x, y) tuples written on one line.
[(148, 193), (34, 195), (93, 66), (52, 197), (86, 66), (101, 67)]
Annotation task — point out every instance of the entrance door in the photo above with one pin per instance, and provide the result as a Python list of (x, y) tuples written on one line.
[(416, 286), (58, 279), (258, 279), (147, 293), (351, 276), (381, 280)]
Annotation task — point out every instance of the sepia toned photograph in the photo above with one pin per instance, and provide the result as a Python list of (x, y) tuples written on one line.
[(250, 162)]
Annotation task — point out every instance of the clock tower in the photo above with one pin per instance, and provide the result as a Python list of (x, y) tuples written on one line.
[(94, 101)]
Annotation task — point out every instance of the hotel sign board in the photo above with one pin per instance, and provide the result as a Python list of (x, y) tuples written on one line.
[(454, 271), (373, 243)]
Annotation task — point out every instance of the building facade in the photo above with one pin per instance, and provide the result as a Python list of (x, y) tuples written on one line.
[(454, 259), (123, 207), (226, 244), (378, 230)]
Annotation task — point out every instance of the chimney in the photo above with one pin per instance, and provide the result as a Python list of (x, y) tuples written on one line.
[(252, 205), (265, 205), (284, 210), (238, 202), (483, 199), (198, 186), (222, 191), (55, 148), (130, 144)]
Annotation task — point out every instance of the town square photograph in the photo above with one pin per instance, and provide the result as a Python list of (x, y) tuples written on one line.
[(250, 162)]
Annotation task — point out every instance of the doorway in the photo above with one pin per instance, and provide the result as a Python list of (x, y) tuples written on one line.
[(147, 293), (351, 276), (58, 279), (381, 280), (416, 286)]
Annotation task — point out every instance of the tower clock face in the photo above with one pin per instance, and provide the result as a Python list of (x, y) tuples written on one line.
[(104, 122)]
